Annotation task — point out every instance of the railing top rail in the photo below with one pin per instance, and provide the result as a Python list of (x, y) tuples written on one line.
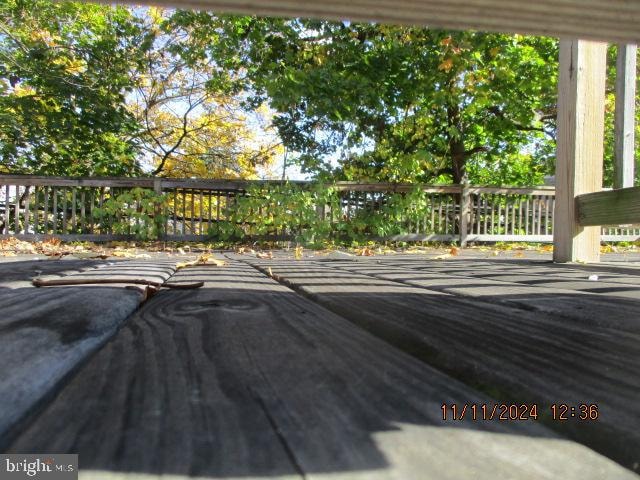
[(242, 185), (514, 190)]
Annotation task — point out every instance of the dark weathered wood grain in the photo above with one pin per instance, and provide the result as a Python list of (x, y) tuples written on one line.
[(554, 295), (245, 378), (46, 333), (515, 354)]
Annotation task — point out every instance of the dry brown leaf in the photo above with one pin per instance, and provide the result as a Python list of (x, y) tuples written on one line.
[(204, 259), (518, 255), (120, 253), (454, 251), (365, 252)]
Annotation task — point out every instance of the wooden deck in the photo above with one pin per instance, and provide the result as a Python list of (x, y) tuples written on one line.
[(329, 367)]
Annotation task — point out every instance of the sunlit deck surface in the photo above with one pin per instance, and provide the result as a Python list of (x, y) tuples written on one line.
[(332, 366)]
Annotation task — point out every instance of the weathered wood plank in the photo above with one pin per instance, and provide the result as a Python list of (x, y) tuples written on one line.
[(516, 354), (613, 207), (244, 378), (581, 92), (556, 296), (625, 116), (46, 333), (610, 20)]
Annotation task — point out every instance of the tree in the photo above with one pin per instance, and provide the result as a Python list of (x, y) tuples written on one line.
[(189, 107), (96, 90), (400, 103), (64, 74)]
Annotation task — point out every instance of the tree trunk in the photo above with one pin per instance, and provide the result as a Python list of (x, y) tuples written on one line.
[(456, 143), (458, 160)]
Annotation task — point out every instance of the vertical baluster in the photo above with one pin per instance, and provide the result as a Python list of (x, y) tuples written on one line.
[(547, 203), (533, 214), (174, 219), (493, 214), (218, 201), (553, 212), (54, 209), (36, 210), (209, 194), (184, 211), (17, 211), (526, 218), (137, 216), (6, 210), (432, 207), (83, 211), (519, 215), (105, 220), (27, 212), (64, 210), (539, 214), (478, 206), (200, 225), (446, 215), (74, 200), (193, 212), (513, 215), (90, 213)]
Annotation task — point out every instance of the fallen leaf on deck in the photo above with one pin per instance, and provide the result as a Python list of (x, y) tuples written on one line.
[(454, 251), (444, 256), (365, 252), (264, 255), (122, 254), (204, 259)]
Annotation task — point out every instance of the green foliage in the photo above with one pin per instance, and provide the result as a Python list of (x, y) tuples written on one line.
[(139, 212), (313, 215), (286, 209), (401, 103), (64, 73)]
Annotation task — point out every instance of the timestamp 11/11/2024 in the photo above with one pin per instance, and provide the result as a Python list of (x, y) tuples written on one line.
[(561, 412)]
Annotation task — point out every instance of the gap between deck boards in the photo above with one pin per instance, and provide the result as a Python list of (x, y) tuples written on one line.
[(614, 436), (175, 392)]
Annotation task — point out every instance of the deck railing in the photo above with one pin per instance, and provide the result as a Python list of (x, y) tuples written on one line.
[(32, 207)]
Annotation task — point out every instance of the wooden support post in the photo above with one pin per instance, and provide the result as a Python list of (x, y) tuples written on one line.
[(465, 210), (581, 96), (625, 116)]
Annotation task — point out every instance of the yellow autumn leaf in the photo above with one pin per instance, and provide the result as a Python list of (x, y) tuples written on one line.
[(446, 65)]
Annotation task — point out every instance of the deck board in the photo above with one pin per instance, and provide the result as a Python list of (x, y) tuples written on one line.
[(616, 306), (245, 378), (45, 333), (517, 354)]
